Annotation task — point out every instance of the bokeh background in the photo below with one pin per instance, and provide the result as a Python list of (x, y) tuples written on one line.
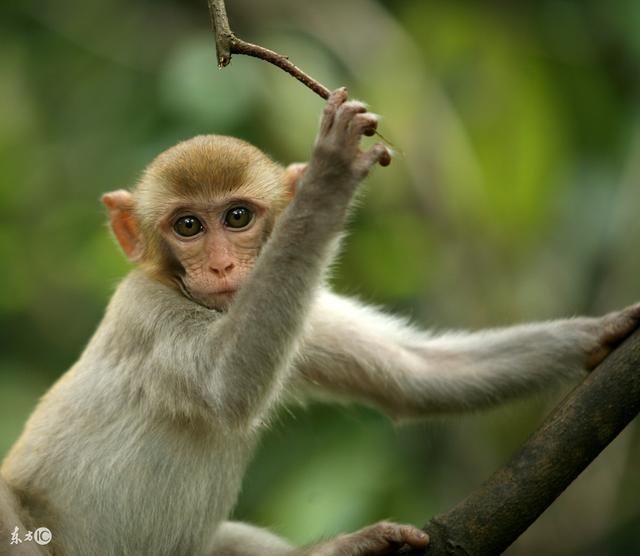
[(514, 195)]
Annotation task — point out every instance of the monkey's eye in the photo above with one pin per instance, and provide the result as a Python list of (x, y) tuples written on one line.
[(238, 217), (188, 226)]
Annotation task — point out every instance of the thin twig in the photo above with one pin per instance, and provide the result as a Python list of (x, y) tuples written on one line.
[(228, 44)]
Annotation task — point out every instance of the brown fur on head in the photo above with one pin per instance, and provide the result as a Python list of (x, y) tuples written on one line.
[(207, 167), (202, 172)]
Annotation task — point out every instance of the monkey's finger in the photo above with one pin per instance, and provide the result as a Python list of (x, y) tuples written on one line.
[(620, 324), (634, 311), (397, 535), (347, 112), (335, 100), (377, 154), (410, 535), (384, 537), (364, 124)]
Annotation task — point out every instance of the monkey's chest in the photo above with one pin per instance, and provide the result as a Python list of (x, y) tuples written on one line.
[(191, 486), (166, 490)]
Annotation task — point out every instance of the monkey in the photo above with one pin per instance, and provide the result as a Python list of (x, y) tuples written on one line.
[(140, 448)]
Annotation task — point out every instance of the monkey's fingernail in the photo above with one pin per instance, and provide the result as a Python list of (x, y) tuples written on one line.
[(385, 159)]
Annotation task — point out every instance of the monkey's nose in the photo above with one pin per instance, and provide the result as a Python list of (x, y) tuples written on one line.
[(221, 270)]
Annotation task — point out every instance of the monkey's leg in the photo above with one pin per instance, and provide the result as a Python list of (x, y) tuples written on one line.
[(241, 539)]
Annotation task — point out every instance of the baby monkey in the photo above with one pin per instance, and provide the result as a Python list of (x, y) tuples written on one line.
[(140, 448)]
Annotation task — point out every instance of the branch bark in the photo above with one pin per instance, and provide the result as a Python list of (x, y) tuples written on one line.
[(228, 44), (589, 418)]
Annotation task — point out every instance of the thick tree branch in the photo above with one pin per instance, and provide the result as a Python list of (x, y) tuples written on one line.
[(589, 418), (228, 44)]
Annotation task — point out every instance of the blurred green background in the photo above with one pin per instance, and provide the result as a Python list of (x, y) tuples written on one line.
[(514, 196)]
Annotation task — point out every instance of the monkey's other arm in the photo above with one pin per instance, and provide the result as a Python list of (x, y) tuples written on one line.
[(355, 351)]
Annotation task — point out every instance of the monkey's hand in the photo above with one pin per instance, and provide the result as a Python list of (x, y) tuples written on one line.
[(610, 331), (337, 150), (378, 539)]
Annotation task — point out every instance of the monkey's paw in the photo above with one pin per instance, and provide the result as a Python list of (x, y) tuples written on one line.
[(611, 330), (376, 540), (343, 124)]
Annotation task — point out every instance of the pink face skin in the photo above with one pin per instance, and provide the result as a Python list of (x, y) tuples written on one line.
[(217, 246)]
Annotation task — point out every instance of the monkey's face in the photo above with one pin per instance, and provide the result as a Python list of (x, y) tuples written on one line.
[(214, 247), (200, 215)]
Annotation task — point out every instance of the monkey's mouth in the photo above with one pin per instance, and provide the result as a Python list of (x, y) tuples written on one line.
[(229, 291), (212, 299), (220, 299)]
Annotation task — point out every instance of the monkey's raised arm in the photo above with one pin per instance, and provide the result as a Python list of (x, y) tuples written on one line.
[(265, 320), (200, 216), (355, 351)]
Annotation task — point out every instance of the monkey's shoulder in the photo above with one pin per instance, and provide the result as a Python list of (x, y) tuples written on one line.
[(144, 304), (147, 327)]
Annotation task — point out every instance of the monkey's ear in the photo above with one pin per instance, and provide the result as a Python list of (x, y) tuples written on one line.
[(124, 224), (292, 175)]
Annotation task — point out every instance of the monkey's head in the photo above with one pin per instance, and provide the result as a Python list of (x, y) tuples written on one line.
[(200, 214)]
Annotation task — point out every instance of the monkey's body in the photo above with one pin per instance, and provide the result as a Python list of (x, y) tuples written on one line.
[(92, 496), (141, 447)]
